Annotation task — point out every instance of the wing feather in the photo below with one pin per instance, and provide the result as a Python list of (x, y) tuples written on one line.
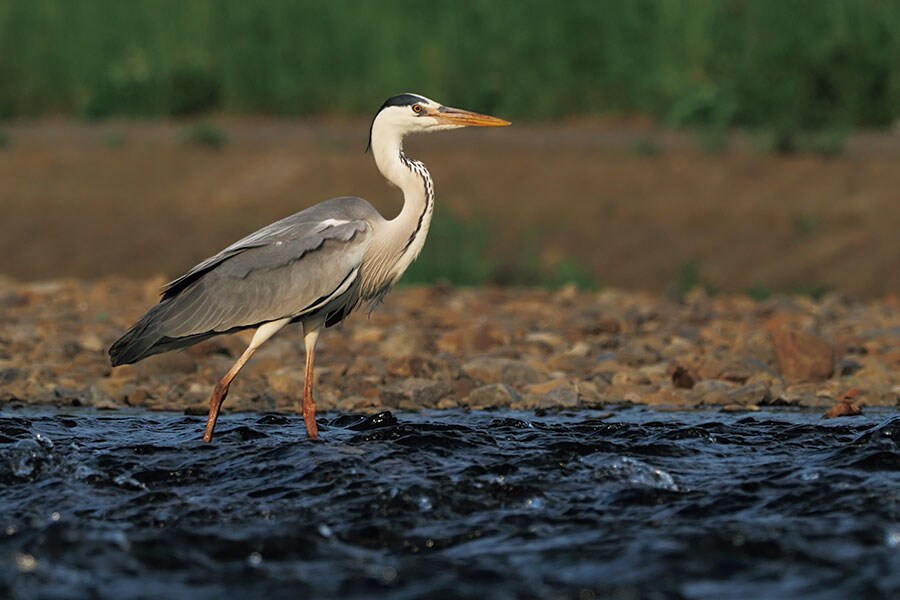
[(338, 218), (269, 277)]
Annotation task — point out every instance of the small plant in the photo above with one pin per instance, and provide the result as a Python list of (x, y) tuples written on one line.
[(780, 141), (204, 134), (827, 144), (569, 271), (712, 140), (114, 139), (688, 277), (759, 292), (5, 140), (805, 224), (192, 89), (645, 146), (456, 252), (814, 291)]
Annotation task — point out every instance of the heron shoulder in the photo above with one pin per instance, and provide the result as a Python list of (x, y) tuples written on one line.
[(344, 208)]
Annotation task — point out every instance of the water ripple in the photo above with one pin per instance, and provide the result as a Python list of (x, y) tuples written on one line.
[(450, 504)]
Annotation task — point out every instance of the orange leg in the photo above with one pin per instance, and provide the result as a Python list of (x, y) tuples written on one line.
[(309, 404), (264, 332), (221, 391)]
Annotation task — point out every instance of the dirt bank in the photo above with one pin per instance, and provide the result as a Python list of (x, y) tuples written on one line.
[(636, 207)]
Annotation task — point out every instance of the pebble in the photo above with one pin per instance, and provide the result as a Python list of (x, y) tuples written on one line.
[(556, 393), (413, 392), (493, 395), (443, 348), (495, 369), (800, 355)]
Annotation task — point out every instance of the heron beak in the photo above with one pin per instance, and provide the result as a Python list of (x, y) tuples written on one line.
[(465, 118)]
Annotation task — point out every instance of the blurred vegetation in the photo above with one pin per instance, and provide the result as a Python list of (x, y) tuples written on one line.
[(778, 65), (457, 252), (204, 134)]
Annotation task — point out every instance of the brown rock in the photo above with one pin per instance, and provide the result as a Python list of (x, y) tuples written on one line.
[(631, 392), (137, 397), (801, 394), (367, 335), (442, 366), (402, 342), (665, 398), (496, 369), (166, 364), (637, 353), (730, 368), (588, 392), (740, 408), (800, 355), (555, 393), (629, 377), (552, 342), (492, 395), (414, 393), (712, 392), (846, 407), (474, 338), (751, 394), (682, 377), (755, 344), (570, 363), (287, 380), (447, 403)]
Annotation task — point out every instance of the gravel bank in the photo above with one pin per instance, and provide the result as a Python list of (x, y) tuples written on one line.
[(439, 347)]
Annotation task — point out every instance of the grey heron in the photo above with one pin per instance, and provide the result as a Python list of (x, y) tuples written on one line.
[(312, 268)]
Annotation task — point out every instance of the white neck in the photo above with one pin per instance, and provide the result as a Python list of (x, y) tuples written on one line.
[(404, 235)]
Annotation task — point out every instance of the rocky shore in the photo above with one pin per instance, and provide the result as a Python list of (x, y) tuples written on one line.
[(439, 347)]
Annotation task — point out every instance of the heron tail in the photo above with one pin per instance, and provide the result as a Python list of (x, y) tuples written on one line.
[(140, 341), (146, 338)]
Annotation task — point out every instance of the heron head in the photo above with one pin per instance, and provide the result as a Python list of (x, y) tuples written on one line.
[(411, 113)]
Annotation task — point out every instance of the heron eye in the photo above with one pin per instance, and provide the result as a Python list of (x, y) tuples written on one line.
[(417, 108)]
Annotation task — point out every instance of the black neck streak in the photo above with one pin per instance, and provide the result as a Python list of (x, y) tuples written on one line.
[(419, 169)]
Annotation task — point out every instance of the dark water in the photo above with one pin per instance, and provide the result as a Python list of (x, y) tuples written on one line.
[(631, 504)]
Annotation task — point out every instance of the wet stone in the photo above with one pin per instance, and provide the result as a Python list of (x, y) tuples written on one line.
[(555, 393), (414, 393), (493, 395), (750, 394)]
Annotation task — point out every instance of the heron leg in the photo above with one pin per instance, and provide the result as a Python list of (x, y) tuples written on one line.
[(263, 333), (221, 391), (309, 404)]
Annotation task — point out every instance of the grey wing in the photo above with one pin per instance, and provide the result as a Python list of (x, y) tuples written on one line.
[(290, 268)]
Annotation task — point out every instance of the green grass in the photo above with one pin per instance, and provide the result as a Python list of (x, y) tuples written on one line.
[(645, 146), (458, 252), (114, 140), (712, 140), (759, 292), (805, 224), (204, 135), (785, 66)]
